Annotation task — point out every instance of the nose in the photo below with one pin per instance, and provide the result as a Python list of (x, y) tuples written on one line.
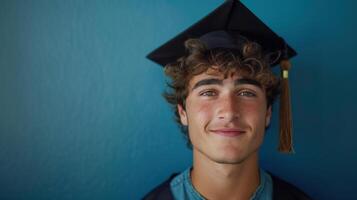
[(228, 108)]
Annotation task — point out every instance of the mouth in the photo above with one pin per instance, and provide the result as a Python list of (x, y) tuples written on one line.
[(228, 132)]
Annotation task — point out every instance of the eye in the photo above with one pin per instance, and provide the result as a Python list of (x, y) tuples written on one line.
[(246, 93), (208, 93)]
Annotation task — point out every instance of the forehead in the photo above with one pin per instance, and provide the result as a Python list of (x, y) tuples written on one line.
[(217, 77), (214, 72)]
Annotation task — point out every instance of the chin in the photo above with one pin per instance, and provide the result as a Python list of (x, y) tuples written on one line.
[(227, 156), (232, 156), (230, 161)]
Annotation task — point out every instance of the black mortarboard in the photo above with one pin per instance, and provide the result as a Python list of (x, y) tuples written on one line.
[(221, 28), (233, 17)]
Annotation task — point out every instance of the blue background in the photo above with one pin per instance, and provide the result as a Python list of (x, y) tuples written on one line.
[(81, 112)]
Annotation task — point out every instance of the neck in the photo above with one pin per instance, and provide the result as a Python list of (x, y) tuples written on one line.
[(225, 181)]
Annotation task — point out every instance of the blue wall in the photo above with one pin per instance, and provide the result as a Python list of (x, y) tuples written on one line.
[(82, 115)]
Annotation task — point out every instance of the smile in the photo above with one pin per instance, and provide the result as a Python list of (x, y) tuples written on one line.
[(228, 132)]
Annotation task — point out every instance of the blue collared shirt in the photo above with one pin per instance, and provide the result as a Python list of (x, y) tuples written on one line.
[(182, 188)]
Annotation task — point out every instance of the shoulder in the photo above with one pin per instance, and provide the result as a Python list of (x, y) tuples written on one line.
[(162, 191), (286, 191)]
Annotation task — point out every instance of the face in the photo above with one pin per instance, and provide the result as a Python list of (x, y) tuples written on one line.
[(226, 116)]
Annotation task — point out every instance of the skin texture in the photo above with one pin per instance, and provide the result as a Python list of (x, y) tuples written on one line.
[(226, 120)]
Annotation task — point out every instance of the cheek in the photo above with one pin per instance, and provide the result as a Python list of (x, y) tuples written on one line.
[(199, 115), (201, 112), (203, 107), (254, 111)]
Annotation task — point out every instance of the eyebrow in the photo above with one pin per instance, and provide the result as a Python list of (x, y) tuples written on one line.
[(214, 81), (248, 81)]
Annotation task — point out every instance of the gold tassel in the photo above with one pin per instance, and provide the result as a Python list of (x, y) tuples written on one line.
[(285, 137)]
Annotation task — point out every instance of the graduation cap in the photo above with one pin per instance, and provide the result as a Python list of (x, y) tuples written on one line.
[(221, 29)]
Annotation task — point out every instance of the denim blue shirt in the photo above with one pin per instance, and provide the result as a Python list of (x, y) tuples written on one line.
[(182, 188)]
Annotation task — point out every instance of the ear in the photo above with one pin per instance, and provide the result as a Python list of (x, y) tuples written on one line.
[(183, 114), (268, 116)]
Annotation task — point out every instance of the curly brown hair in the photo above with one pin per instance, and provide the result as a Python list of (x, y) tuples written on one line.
[(249, 61)]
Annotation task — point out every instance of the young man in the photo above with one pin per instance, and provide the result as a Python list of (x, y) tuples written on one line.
[(222, 93)]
